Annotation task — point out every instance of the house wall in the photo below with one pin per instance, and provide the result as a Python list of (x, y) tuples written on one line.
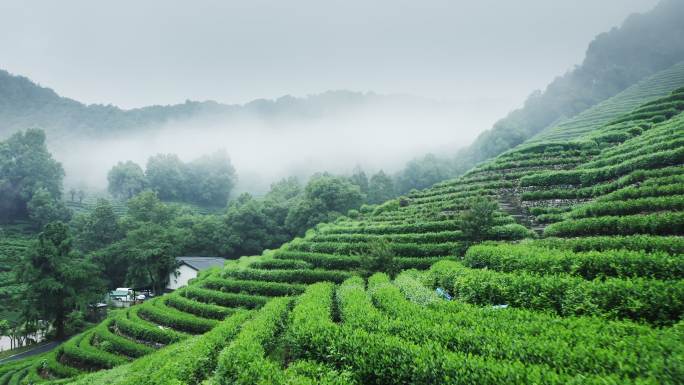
[(185, 273)]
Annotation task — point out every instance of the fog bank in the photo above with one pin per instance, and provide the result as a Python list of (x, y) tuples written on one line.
[(381, 134)]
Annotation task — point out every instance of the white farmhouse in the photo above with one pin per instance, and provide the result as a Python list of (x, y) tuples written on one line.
[(189, 267)]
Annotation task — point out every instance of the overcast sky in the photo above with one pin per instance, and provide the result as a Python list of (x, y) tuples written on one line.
[(139, 52)]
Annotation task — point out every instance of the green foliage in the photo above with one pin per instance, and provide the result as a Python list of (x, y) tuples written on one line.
[(290, 276), (58, 280), (206, 180), (478, 219), (410, 286), (99, 228), (244, 361), (200, 309), (657, 224), (380, 358), (225, 299), (117, 344), (251, 228), (360, 179), (533, 338), (325, 198), (598, 78), (423, 172), (151, 251), (157, 311), (588, 265), (262, 288), (648, 243), (26, 167), (126, 179), (381, 188), (147, 207), (43, 208), (80, 352), (588, 309), (131, 325), (379, 257), (653, 301)]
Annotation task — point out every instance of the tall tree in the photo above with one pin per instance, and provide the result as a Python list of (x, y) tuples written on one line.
[(210, 179), (151, 252), (25, 166), (98, 228), (251, 229), (478, 218), (325, 198), (58, 280), (125, 180), (145, 256), (423, 172), (360, 179), (381, 188), (147, 207), (168, 176), (44, 208)]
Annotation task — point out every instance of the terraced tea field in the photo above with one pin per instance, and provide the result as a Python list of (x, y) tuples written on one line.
[(14, 240), (119, 207), (580, 281), (654, 87)]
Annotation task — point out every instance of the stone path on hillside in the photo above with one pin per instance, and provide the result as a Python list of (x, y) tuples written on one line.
[(511, 205)]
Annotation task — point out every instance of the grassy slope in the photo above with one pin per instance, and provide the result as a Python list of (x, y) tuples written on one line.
[(564, 185)]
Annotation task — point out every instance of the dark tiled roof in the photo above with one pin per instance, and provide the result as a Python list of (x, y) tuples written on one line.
[(201, 263)]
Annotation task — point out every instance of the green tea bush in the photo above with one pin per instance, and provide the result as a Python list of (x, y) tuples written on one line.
[(646, 300), (667, 223), (588, 265)]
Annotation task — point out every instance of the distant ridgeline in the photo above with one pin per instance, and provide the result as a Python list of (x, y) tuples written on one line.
[(581, 281), (24, 104)]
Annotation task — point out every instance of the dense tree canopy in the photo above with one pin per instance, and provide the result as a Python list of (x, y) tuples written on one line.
[(25, 167), (58, 280), (43, 208), (478, 218), (207, 180), (168, 176), (210, 179), (381, 188), (325, 198), (423, 172), (251, 229), (97, 228), (144, 253), (125, 180), (360, 179)]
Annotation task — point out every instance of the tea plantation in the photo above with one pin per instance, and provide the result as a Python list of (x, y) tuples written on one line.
[(579, 281)]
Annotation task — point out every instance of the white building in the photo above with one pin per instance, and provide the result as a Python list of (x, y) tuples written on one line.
[(189, 267)]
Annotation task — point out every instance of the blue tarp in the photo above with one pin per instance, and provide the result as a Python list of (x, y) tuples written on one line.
[(443, 294)]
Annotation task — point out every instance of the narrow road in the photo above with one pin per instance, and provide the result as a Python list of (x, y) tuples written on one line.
[(35, 351)]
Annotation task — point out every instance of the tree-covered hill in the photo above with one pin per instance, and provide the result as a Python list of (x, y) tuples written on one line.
[(557, 262), (653, 87), (644, 45), (25, 104)]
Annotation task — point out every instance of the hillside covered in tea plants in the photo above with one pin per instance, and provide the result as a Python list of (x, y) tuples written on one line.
[(557, 262)]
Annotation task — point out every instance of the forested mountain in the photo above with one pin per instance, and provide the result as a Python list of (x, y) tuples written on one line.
[(643, 45), (25, 104)]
